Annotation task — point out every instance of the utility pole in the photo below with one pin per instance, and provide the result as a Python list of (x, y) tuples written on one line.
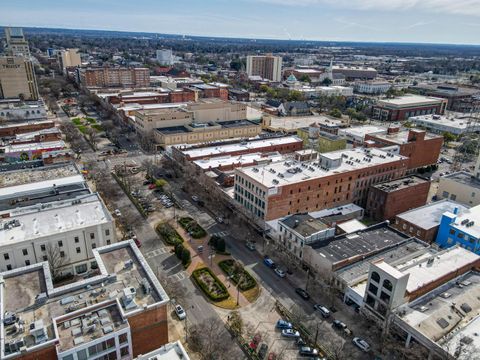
[(308, 277), (316, 335)]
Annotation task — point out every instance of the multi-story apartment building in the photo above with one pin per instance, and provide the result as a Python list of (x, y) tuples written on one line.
[(17, 78), (114, 77), (279, 189), (267, 66), (68, 58), (17, 45), (403, 107), (421, 148), (119, 312), (165, 56)]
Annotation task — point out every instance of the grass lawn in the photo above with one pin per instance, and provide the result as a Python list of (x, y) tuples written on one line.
[(77, 121), (91, 120), (97, 127), (82, 128), (252, 294), (229, 304)]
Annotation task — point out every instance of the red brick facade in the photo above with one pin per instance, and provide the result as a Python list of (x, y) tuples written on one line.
[(184, 95), (331, 191), (420, 150), (115, 77), (402, 114), (385, 205), (427, 235), (47, 353), (25, 128)]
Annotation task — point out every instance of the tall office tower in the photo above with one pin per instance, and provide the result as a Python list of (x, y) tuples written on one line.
[(17, 78), (68, 58), (17, 45), (267, 66)]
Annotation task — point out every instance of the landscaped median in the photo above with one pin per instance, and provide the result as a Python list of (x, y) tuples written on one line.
[(192, 227), (168, 234), (238, 274), (210, 284)]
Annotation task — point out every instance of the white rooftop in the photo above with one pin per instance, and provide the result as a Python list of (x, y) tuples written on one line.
[(352, 226), (361, 131), (410, 100), (429, 216), (170, 351), (472, 215), (284, 173), (238, 146), (220, 161), (12, 148), (443, 264), (29, 135), (47, 219), (457, 121), (298, 122)]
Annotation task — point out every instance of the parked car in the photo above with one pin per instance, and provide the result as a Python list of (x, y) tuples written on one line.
[(339, 325), (361, 344), (220, 220), (263, 351), (195, 198), (300, 342), (255, 341), (117, 212), (291, 333), (152, 186), (282, 324), (269, 262), (272, 356), (137, 242), (250, 246), (302, 293), (308, 351), (180, 312), (280, 272), (322, 309)]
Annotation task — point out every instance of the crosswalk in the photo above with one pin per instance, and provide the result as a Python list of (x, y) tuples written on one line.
[(156, 252), (179, 276), (220, 233)]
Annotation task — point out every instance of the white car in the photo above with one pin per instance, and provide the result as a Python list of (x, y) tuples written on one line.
[(361, 344), (180, 312), (117, 213), (280, 272), (291, 333), (195, 198)]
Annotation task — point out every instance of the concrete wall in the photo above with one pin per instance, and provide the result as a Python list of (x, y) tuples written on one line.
[(462, 193)]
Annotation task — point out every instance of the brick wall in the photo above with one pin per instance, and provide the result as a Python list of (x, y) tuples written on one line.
[(12, 131), (48, 353), (427, 235), (149, 330)]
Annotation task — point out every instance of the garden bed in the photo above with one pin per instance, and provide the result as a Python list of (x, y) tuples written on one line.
[(192, 227), (228, 267), (169, 234), (210, 284)]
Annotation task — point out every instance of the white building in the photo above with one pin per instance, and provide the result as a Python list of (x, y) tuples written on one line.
[(456, 124), (165, 57), (69, 228), (170, 351), (461, 187), (16, 110), (372, 87), (68, 58), (357, 134)]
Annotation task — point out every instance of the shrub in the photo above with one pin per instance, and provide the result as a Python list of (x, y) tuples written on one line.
[(193, 228), (218, 243), (169, 234), (238, 274), (179, 250), (186, 256), (97, 127), (216, 290), (160, 183)]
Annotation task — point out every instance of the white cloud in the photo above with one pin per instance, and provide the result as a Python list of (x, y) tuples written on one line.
[(461, 7)]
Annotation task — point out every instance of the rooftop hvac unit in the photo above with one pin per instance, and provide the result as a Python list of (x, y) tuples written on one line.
[(128, 264), (146, 286), (41, 299)]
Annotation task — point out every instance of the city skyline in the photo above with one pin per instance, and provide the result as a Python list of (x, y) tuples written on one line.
[(410, 21)]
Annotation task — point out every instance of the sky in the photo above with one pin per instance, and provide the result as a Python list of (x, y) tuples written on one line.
[(419, 21)]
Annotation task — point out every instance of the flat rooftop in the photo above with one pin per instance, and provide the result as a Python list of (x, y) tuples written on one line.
[(14, 148), (400, 184), (29, 176), (26, 123), (40, 220), (297, 122), (291, 171), (408, 250), (173, 130), (464, 178), (448, 315), (429, 216), (303, 224), (361, 131), (170, 351), (457, 122), (401, 137), (240, 160), (410, 100), (240, 145), (358, 245), (469, 216), (236, 123), (123, 278)]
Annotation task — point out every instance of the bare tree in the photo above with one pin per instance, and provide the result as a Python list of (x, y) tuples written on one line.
[(235, 322), (56, 260), (92, 137), (211, 340), (149, 167)]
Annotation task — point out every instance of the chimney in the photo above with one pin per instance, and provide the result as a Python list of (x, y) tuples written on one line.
[(393, 129), (416, 135)]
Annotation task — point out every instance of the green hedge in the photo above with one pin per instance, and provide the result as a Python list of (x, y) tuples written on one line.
[(169, 234), (249, 281), (193, 228), (212, 296)]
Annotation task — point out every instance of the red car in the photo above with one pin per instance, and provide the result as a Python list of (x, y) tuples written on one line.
[(255, 341), (152, 186), (137, 242), (272, 356)]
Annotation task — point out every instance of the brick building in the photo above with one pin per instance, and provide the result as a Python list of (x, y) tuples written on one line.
[(8, 130), (114, 77), (120, 312), (337, 178), (386, 200), (423, 222), (421, 148), (403, 107), (151, 97), (459, 98)]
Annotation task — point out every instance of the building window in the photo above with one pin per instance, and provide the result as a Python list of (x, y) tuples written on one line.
[(79, 269), (124, 351), (107, 232), (373, 289), (92, 236), (370, 301), (445, 194), (452, 232), (460, 235), (375, 277), (122, 338), (60, 243), (449, 240), (45, 257), (43, 247), (78, 250), (94, 245), (27, 262), (108, 242), (385, 297), (6, 256), (25, 252), (387, 284), (9, 267), (62, 253), (453, 197), (404, 226), (76, 240), (82, 354)]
